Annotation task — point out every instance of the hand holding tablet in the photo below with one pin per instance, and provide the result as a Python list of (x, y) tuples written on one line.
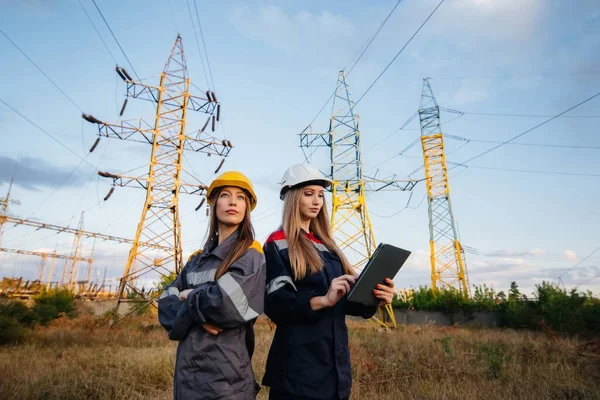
[(385, 262)]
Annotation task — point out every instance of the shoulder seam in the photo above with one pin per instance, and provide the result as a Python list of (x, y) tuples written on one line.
[(277, 235), (194, 254), (256, 246)]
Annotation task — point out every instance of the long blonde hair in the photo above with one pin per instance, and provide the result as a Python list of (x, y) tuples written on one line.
[(301, 251)]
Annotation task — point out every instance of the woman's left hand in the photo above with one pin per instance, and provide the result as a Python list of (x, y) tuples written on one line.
[(385, 292)]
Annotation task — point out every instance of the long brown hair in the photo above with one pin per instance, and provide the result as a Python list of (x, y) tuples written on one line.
[(245, 234), (300, 249)]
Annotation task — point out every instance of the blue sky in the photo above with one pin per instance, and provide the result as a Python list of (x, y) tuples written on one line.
[(274, 64)]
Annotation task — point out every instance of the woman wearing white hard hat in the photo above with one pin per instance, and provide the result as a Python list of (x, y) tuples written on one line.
[(308, 278), (212, 305)]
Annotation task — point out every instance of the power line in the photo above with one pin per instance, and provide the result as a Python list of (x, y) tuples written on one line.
[(47, 133), (321, 109), (57, 188), (173, 16), (523, 144), (579, 263), (204, 46), (531, 129), (411, 145), (453, 111), (523, 170), (353, 65), (403, 128), (402, 209), (564, 74), (197, 43), (97, 32), (41, 71), (408, 121), (372, 38), (116, 40), (398, 54), (520, 254), (587, 280), (82, 159), (462, 113), (94, 175), (531, 115)]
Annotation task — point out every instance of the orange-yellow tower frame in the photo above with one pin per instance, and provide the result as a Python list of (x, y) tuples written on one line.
[(160, 225), (448, 263)]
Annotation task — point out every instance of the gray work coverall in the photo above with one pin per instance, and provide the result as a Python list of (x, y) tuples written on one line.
[(215, 366)]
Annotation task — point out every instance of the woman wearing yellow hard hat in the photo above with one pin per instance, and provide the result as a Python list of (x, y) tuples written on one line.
[(212, 305)]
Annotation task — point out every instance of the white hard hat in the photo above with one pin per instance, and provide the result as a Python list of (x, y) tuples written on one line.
[(302, 174)]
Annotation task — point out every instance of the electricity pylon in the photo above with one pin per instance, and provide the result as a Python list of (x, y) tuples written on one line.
[(74, 270), (349, 217), (65, 229), (160, 223), (44, 257), (77, 232), (448, 263), (4, 202)]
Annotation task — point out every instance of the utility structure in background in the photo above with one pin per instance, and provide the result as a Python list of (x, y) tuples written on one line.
[(160, 224), (53, 256), (70, 274), (448, 263), (4, 202), (349, 216), (19, 286)]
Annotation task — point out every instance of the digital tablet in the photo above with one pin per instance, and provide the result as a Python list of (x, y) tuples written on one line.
[(385, 262)]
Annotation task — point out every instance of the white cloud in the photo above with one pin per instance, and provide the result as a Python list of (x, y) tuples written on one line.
[(418, 261), (570, 255)]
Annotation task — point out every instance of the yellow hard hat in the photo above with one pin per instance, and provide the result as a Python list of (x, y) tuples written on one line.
[(232, 178)]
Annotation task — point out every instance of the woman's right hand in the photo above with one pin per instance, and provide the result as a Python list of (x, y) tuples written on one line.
[(339, 287)]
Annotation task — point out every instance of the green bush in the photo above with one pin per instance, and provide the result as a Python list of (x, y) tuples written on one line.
[(495, 357), (11, 331), (518, 311), (486, 299), (164, 281), (447, 300), (564, 312), (561, 310), (17, 311), (15, 316), (520, 314), (51, 304), (142, 309), (45, 313), (590, 314)]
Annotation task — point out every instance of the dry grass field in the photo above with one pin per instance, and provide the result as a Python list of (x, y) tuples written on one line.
[(82, 359)]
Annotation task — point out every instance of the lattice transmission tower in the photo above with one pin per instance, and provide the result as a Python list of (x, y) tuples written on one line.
[(4, 202), (349, 216), (448, 263), (160, 225)]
